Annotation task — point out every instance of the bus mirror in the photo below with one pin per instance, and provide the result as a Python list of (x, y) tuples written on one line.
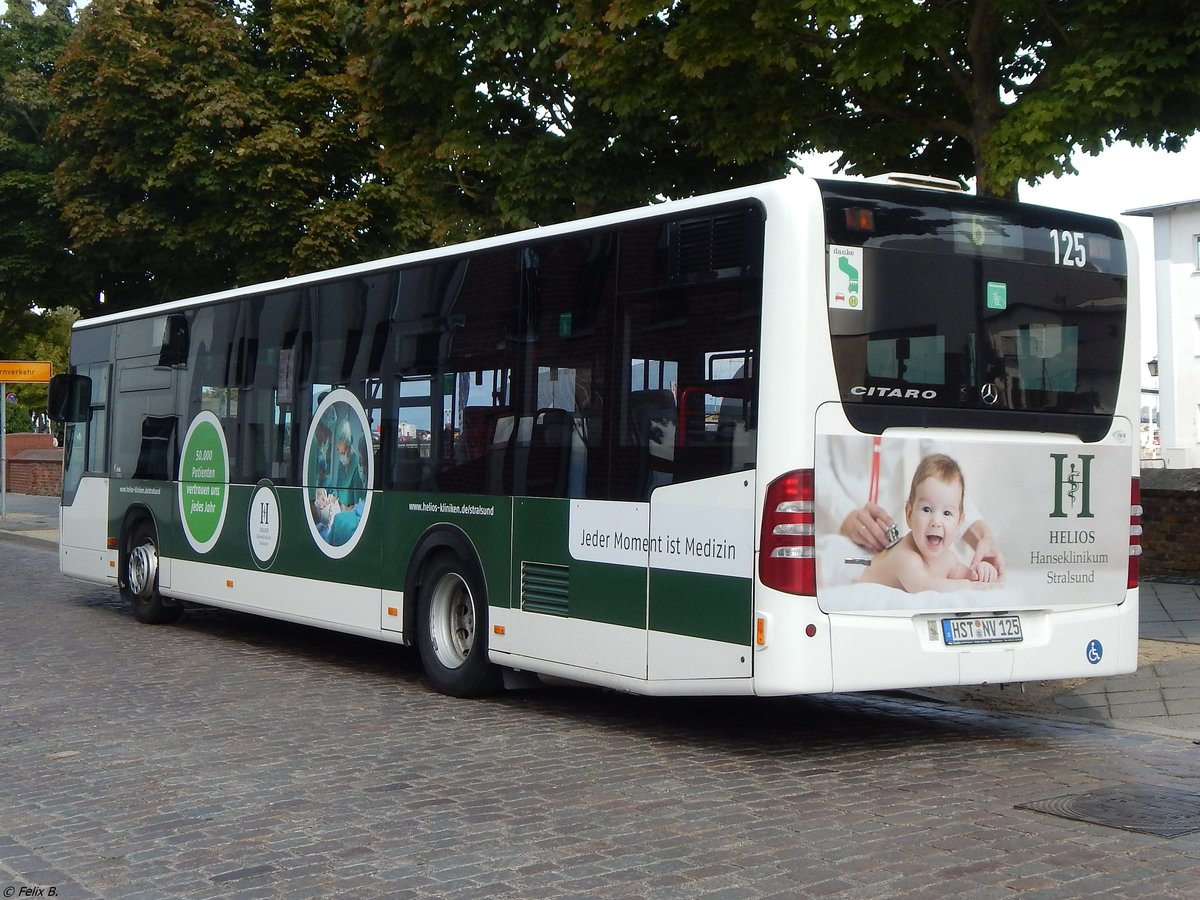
[(69, 398)]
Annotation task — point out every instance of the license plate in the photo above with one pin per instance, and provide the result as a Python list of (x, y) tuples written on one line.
[(982, 630)]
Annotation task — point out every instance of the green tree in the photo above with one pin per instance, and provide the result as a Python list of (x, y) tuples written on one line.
[(960, 88), (209, 143), (44, 336), (36, 268), (476, 107)]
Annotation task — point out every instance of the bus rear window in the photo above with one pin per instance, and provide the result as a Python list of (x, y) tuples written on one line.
[(933, 328)]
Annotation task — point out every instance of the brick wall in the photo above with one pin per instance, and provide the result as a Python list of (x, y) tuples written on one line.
[(1171, 523), (16, 444), (34, 464)]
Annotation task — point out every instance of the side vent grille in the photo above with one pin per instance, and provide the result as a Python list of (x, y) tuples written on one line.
[(712, 247), (545, 588)]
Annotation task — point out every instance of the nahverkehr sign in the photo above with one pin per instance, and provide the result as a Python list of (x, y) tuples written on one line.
[(24, 372)]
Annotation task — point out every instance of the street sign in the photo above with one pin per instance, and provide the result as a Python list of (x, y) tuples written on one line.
[(24, 372), (18, 372)]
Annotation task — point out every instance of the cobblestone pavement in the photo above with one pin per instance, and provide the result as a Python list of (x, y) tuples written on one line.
[(231, 756), (1162, 696)]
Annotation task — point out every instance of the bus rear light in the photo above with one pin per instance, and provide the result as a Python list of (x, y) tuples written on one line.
[(801, 528), (787, 548), (1135, 530), (760, 631)]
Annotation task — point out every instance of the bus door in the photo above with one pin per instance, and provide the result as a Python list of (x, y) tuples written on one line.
[(701, 578), (579, 583), (80, 402), (702, 531), (580, 554)]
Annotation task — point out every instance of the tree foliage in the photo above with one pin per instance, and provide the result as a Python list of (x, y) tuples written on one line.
[(36, 268), (43, 336), (476, 106), (527, 111), (959, 88), (208, 143), (1109, 71)]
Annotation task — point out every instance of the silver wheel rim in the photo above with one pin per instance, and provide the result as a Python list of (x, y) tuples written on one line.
[(142, 567), (452, 620)]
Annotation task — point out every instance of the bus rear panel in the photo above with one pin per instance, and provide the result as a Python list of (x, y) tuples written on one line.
[(983, 350)]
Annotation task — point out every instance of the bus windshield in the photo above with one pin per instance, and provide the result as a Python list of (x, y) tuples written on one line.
[(1023, 314)]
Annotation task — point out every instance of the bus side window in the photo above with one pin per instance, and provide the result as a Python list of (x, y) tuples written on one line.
[(157, 448), (413, 466)]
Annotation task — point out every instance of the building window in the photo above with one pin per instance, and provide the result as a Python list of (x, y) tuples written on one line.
[(1197, 260)]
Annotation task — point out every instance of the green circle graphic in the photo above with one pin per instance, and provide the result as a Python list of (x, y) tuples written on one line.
[(203, 493)]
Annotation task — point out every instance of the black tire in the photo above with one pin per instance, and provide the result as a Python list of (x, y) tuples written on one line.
[(452, 623), (139, 577)]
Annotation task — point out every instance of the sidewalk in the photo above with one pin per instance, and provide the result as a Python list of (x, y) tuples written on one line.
[(30, 519), (1163, 695)]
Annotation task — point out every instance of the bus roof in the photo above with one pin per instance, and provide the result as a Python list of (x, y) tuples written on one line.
[(770, 193), (765, 192)]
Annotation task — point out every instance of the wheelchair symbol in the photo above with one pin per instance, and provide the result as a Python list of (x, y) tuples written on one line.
[(1095, 651)]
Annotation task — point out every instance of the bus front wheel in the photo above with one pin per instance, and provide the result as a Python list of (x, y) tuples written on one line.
[(452, 629), (140, 582)]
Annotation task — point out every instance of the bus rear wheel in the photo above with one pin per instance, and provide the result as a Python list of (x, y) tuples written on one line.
[(140, 582), (452, 629)]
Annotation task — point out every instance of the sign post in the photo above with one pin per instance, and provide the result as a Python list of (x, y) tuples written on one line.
[(20, 373)]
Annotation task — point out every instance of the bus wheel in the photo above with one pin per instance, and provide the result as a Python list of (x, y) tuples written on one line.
[(452, 629), (140, 585)]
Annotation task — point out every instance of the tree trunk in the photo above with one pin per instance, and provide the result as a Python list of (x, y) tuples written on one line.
[(985, 98)]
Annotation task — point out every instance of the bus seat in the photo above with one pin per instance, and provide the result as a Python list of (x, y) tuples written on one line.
[(411, 471), (479, 429), (550, 453), (499, 441), (519, 457), (734, 429), (653, 419)]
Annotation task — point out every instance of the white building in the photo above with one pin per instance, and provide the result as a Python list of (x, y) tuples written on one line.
[(1177, 280)]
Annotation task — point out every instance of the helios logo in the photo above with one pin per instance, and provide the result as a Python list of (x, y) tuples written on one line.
[(1072, 486)]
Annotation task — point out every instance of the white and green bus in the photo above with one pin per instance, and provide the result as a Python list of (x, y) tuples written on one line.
[(663, 451)]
